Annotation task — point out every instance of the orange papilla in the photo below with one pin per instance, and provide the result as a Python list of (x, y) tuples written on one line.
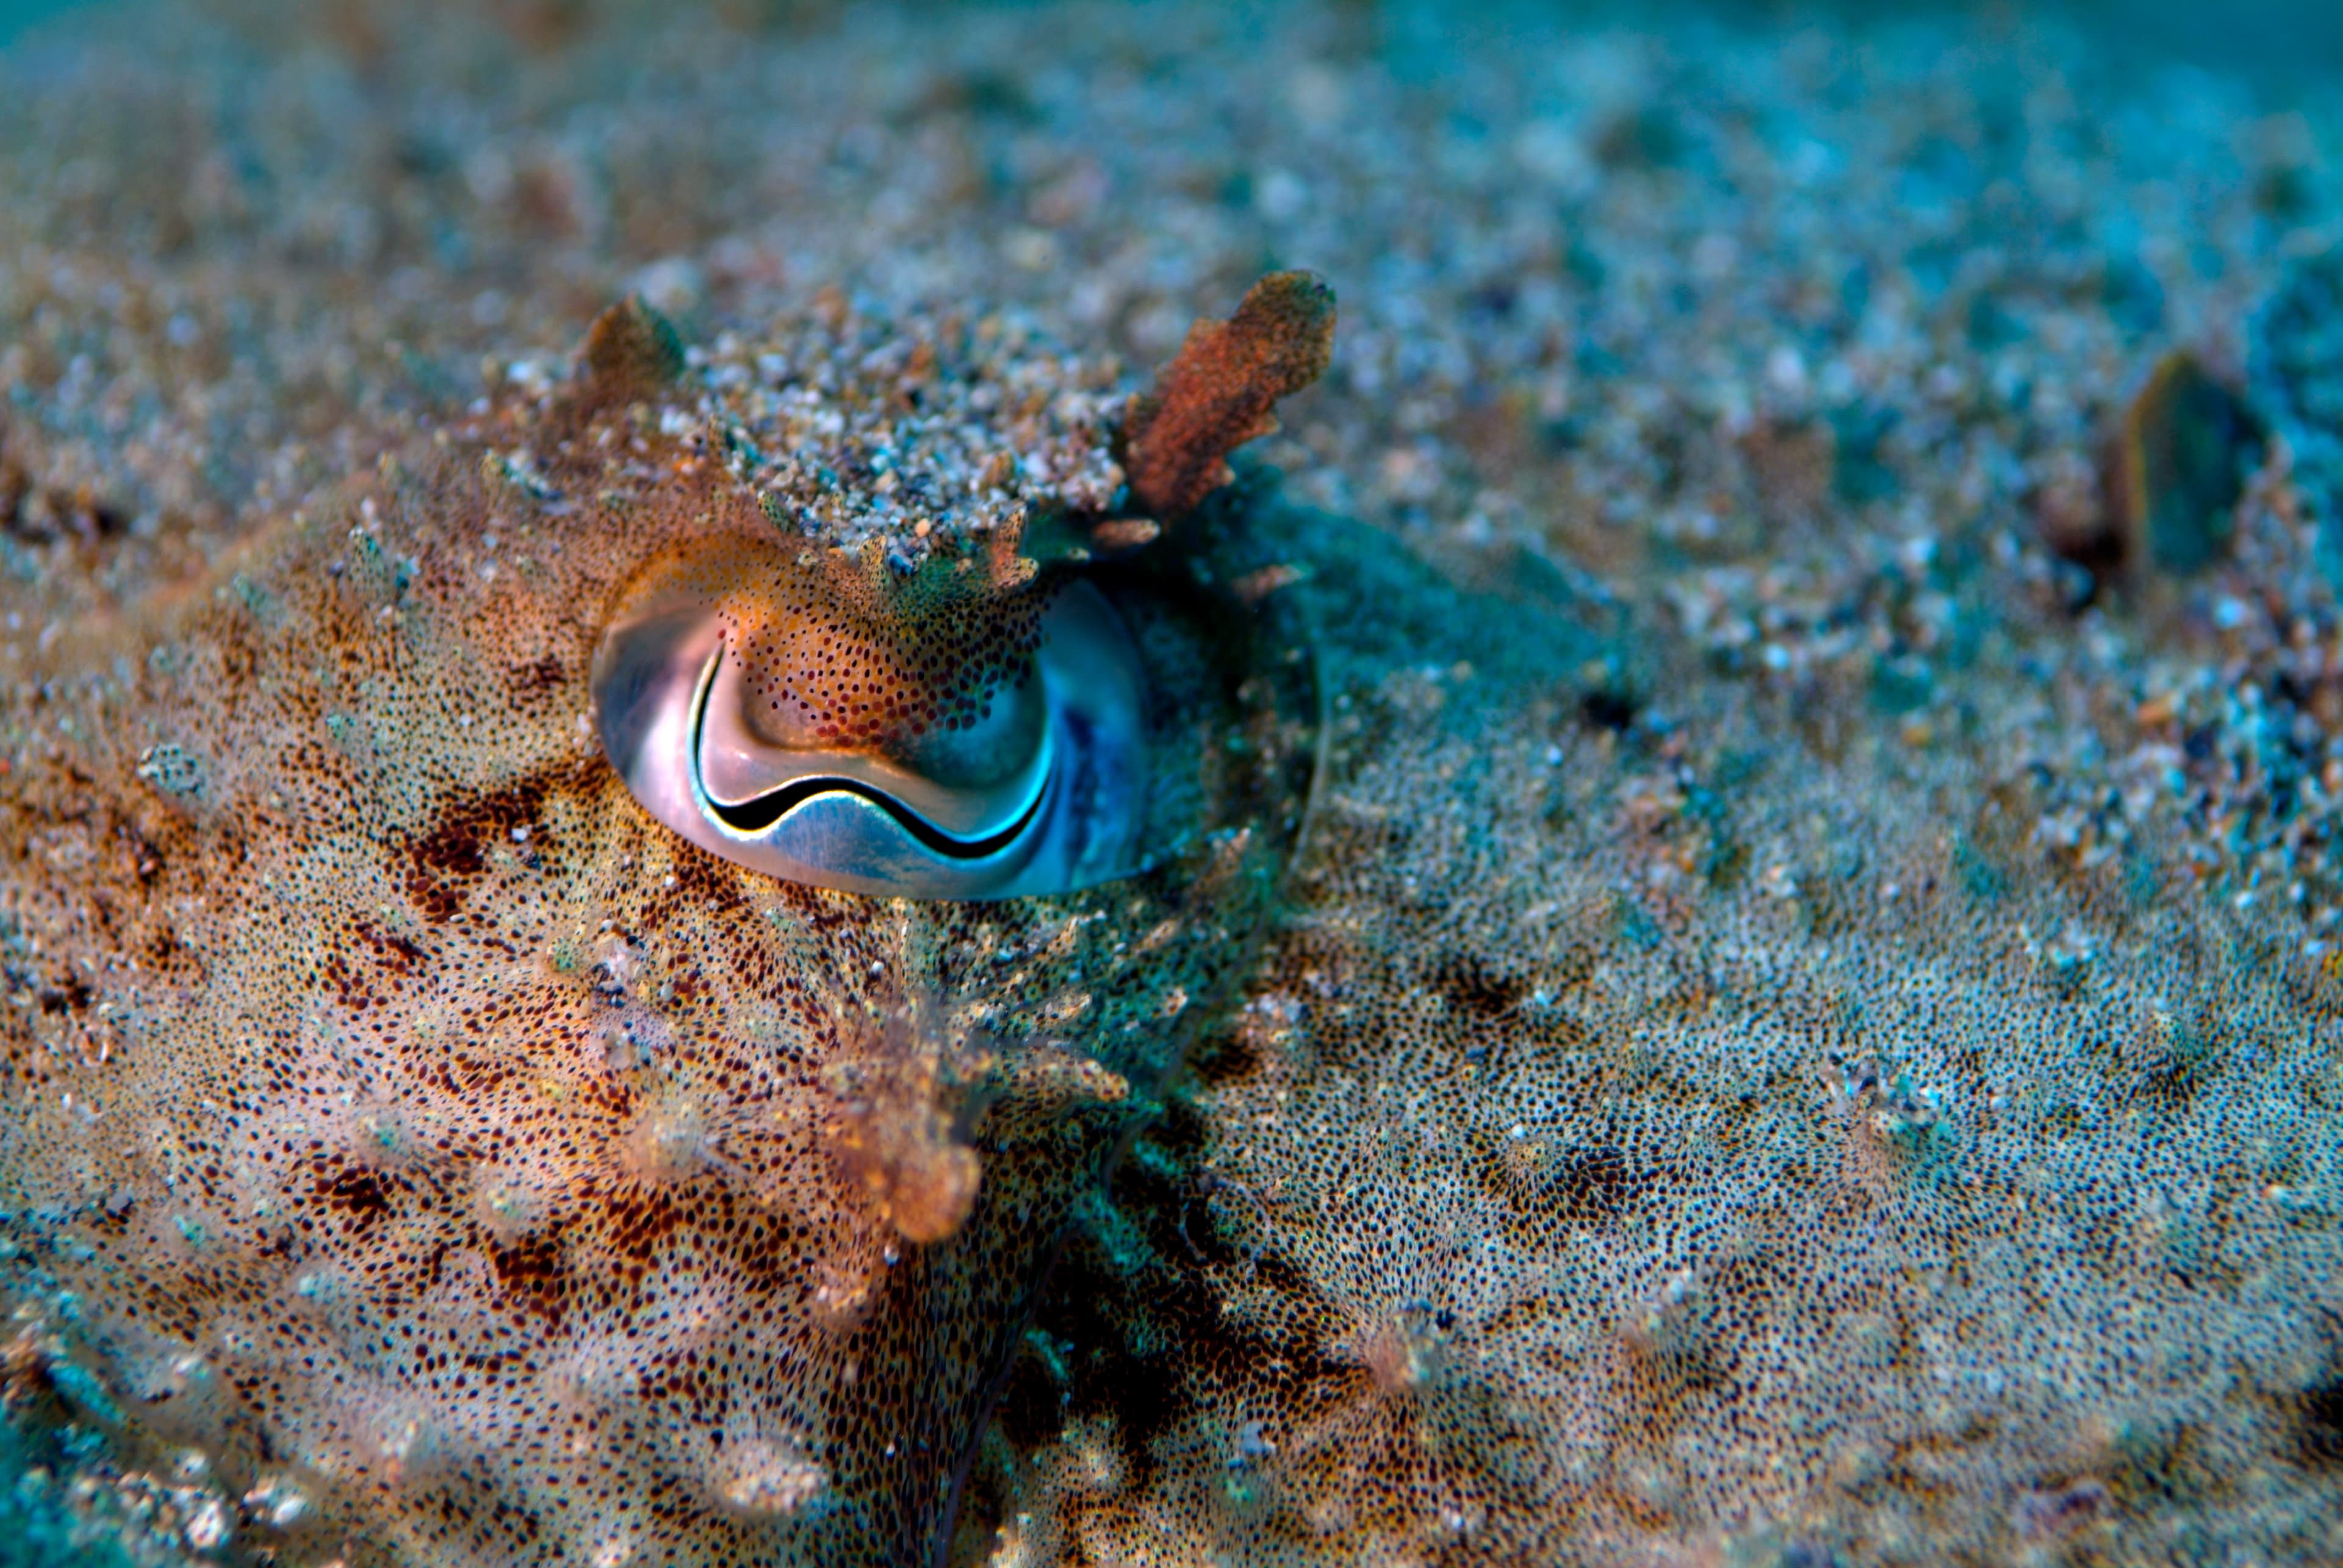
[(1217, 393)]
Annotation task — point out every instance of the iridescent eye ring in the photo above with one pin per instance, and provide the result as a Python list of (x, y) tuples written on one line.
[(1043, 794)]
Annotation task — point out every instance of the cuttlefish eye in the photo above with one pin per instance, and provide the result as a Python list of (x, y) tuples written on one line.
[(820, 724)]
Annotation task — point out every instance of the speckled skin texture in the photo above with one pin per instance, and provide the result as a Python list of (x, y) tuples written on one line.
[(1623, 1164), (1787, 1014), (441, 1141)]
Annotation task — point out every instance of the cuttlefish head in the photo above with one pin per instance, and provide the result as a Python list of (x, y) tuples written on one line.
[(973, 727), (942, 733)]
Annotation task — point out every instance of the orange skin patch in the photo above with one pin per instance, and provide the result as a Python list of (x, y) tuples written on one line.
[(840, 654)]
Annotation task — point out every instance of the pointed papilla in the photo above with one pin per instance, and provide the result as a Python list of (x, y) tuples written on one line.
[(1219, 392)]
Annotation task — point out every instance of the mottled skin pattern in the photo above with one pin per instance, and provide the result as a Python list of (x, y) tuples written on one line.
[(1651, 1119), (398, 1115), (1726, 1141)]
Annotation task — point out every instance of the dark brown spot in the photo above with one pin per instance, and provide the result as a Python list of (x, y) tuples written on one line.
[(398, 955), (534, 683), (1474, 986), (445, 861), (358, 1193), (531, 1272)]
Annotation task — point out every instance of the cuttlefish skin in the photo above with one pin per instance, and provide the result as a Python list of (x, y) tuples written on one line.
[(401, 1117)]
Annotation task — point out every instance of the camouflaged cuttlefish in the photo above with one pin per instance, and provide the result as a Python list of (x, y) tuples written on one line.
[(491, 1080), (473, 1121)]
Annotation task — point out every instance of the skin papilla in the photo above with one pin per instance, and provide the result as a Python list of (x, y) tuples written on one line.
[(1217, 393)]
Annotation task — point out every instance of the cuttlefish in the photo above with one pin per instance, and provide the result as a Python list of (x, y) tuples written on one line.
[(569, 1003), (850, 949)]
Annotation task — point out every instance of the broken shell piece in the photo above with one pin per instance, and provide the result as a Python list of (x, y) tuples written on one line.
[(2177, 466)]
